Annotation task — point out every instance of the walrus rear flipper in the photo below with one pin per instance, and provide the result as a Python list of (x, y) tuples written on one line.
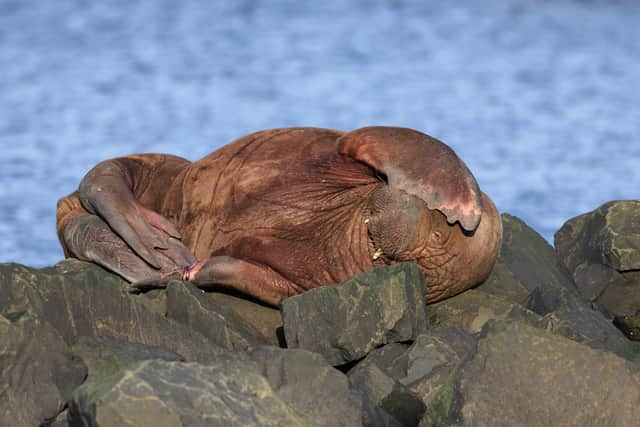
[(421, 166)]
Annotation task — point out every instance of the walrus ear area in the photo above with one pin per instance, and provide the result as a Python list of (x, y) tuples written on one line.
[(421, 166)]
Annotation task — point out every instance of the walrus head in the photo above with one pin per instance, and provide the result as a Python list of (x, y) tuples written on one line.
[(431, 211)]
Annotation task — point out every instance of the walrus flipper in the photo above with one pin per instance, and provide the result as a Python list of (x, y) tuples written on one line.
[(88, 237), (112, 191), (419, 165)]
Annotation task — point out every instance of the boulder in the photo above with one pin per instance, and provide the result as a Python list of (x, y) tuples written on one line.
[(311, 386), (385, 401), (529, 265), (62, 420), (108, 353), (629, 325), (610, 235), (412, 383), (82, 299), (601, 249), (221, 325), (37, 371), (264, 319), (471, 309), (224, 393), (522, 375), (345, 322)]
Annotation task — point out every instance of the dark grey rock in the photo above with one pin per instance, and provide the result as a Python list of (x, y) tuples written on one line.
[(62, 420), (385, 357), (225, 393), (601, 249), (522, 375), (503, 284), (155, 300), (266, 320), (621, 297), (191, 306), (610, 235), (531, 260), (345, 322), (473, 308), (82, 299), (412, 384), (311, 386), (37, 371), (534, 266), (103, 353), (629, 325), (383, 393)]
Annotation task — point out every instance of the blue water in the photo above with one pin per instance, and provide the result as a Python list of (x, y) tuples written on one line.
[(540, 98)]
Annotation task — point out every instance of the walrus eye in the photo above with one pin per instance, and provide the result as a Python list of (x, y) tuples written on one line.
[(381, 177)]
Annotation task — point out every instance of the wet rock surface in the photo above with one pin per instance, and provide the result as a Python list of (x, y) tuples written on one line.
[(344, 323), (526, 347)]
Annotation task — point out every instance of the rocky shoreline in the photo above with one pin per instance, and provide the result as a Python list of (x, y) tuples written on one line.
[(549, 339)]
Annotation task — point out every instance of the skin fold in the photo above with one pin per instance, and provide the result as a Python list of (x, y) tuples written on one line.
[(281, 211)]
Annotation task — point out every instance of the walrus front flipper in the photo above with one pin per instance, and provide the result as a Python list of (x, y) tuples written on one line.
[(88, 237), (250, 278), (421, 166), (114, 191)]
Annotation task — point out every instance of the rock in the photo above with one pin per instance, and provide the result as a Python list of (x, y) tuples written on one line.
[(155, 300), (471, 309), (383, 392), (376, 386), (61, 420), (221, 325), (345, 322), (601, 249), (37, 371), (567, 315), (528, 264), (108, 353), (311, 386), (82, 299), (267, 321), (610, 235), (521, 375), (160, 393), (531, 260), (503, 284), (629, 325), (410, 383)]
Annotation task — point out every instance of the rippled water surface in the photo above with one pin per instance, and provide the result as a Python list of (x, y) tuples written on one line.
[(540, 98)]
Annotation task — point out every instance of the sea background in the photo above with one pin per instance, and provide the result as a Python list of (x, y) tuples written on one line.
[(541, 99)]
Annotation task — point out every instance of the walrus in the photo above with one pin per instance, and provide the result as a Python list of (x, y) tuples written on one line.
[(281, 211)]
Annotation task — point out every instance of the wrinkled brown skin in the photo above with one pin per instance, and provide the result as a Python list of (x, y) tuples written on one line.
[(282, 211)]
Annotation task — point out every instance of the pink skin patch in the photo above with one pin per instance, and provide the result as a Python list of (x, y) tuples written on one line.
[(185, 273)]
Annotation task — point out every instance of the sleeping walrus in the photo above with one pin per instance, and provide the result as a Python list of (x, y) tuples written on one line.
[(282, 211)]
